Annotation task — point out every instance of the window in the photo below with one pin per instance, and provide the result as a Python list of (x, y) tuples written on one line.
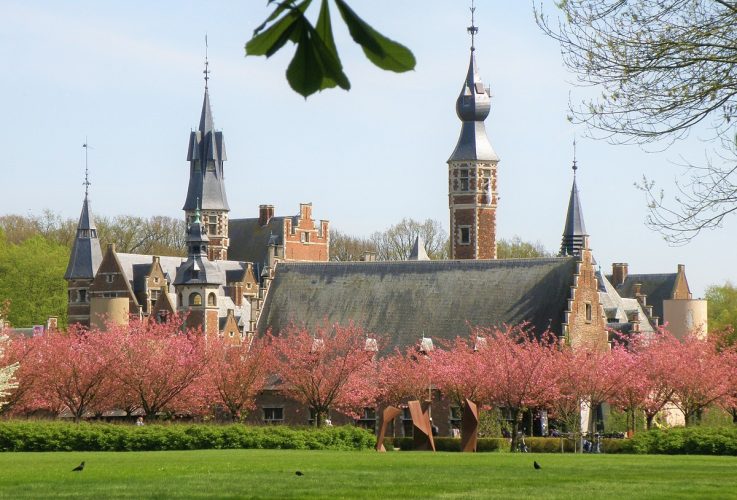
[(588, 313), (109, 278), (156, 281), (305, 237), (195, 299), (464, 236), (464, 179), (155, 296), (212, 224), (211, 300), (82, 294), (407, 429), (179, 300), (455, 418), (273, 415), (367, 419), (231, 334)]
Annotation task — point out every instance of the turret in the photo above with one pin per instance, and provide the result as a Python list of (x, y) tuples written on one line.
[(206, 155), (472, 171), (575, 237)]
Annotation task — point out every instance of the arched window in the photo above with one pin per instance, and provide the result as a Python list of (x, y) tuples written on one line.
[(195, 299), (179, 302), (211, 300)]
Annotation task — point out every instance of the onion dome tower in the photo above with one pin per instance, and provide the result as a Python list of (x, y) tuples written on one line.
[(472, 171)]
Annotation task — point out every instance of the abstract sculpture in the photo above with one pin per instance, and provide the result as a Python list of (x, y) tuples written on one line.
[(387, 416), (469, 426), (422, 429)]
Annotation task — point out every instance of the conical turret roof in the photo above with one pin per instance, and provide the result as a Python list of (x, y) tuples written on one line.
[(86, 254)]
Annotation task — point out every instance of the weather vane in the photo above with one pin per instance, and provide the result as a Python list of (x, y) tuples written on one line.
[(575, 167), (473, 29), (86, 182), (206, 71)]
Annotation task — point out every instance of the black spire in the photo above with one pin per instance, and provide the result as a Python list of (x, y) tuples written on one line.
[(86, 254), (574, 233), (472, 107), (206, 156)]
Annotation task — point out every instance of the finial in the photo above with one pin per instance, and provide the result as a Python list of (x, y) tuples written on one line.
[(206, 71), (197, 212), (575, 167), (86, 182), (473, 29)]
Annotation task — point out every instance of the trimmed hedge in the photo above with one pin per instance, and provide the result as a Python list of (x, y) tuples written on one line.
[(685, 441), (59, 436), (454, 444)]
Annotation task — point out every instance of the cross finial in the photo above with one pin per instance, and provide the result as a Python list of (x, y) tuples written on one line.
[(206, 71), (86, 182), (575, 167), (473, 29)]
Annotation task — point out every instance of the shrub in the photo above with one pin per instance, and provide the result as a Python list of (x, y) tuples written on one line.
[(454, 444), (686, 441), (59, 436)]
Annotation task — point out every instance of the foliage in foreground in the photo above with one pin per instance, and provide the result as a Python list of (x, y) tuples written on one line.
[(685, 441), (60, 436)]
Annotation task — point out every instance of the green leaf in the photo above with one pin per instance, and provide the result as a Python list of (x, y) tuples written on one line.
[(281, 7), (274, 38), (305, 74), (324, 44), (380, 50)]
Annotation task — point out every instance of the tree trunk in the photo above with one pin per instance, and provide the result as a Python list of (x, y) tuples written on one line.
[(516, 417), (649, 417)]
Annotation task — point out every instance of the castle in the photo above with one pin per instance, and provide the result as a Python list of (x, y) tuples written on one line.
[(244, 277)]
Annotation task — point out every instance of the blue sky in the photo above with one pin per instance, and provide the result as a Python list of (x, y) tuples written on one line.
[(127, 75)]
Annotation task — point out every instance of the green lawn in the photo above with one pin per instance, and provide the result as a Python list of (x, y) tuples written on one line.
[(271, 473)]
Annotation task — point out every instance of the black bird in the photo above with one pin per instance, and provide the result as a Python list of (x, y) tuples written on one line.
[(79, 468), (299, 473), (536, 465)]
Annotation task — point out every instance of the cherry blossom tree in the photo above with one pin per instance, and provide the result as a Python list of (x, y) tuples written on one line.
[(329, 368), (520, 370), (235, 374), (74, 370), (7, 381), (404, 376), (158, 364), (701, 376), (19, 351)]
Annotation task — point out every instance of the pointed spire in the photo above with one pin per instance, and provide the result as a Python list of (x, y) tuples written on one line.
[(574, 232), (418, 250), (86, 254)]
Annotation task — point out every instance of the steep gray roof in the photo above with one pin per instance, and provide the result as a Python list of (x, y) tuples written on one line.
[(86, 254), (418, 251), (249, 240), (574, 232), (472, 107), (657, 288), (198, 269), (206, 149), (406, 300), (620, 308), (137, 266)]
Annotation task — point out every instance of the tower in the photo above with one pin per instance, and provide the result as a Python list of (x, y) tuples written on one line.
[(575, 238), (206, 189), (472, 171), (198, 281), (83, 262)]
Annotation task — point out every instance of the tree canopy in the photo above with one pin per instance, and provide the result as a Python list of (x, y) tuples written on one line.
[(663, 67)]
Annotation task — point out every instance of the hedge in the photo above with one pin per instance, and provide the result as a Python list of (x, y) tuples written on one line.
[(58, 436), (454, 444), (685, 441)]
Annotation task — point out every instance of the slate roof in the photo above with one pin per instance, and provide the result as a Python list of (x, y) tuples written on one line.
[(206, 188), (472, 107), (574, 232), (137, 266), (249, 241), (618, 308), (657, 288), (86, 254), (406, 300)]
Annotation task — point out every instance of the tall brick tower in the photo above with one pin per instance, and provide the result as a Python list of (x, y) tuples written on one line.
[(206, 181), (472, 172)]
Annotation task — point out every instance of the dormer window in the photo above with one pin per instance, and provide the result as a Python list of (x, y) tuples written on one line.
[(195, 299)]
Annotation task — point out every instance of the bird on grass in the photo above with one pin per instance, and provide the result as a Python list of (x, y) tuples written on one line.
[(536, 465), (79, 468), (299, 473)]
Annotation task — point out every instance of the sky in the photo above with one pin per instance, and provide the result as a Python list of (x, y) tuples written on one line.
[(127, 77)]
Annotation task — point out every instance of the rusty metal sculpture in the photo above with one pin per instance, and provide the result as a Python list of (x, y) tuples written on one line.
[(422, 429), (469, 426), (387, 416)]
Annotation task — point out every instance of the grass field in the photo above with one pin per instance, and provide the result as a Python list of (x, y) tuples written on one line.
[(329, 474)]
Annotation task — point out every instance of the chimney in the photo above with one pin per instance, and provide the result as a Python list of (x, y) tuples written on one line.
[(681, 268), (619, 273), (368, 257), (265, 213)]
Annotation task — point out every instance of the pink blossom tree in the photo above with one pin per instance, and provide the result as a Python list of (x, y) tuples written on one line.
[(74, 370), (158, 364), (330, 368), (519, 369), (404, 376), (235, 374)]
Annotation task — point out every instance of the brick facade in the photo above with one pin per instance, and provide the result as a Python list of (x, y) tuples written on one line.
[(304, 239), (472, 199), (585, 318)]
